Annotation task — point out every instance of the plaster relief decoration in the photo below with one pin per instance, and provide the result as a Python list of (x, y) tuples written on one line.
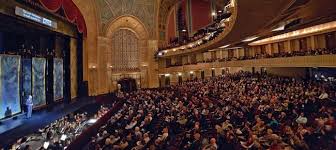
[(144, 10)]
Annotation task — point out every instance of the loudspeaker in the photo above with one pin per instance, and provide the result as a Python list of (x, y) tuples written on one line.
[(84, 89)]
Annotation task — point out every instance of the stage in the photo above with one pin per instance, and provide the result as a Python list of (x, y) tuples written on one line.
[(13, 129)]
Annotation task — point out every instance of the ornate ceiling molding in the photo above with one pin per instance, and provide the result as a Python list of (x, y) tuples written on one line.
[(129, 22), (111, 10)]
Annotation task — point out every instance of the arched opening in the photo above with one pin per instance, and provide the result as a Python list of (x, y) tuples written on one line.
[(127, 84), (125, 51)]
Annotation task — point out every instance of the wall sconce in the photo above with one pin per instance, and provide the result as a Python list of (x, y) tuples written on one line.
[(213, 13), (179, 74), (93, 67), (191, 72)]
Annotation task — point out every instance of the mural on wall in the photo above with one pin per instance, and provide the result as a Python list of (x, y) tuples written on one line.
[(26, 81), (9, 85), (39, 95), (144, 10), (58, 79)]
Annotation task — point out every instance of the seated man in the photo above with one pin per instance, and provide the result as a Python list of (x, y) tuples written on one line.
[(8, 112)]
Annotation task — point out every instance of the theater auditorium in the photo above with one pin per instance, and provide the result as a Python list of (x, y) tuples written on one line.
[(167, 74)]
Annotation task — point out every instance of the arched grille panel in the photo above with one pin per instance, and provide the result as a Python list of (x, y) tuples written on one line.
[(125, 53)]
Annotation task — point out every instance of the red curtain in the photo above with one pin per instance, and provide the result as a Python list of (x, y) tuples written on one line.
[(52, 5), (71, 12), (81, 24)]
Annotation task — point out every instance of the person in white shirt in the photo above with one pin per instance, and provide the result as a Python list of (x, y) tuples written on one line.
[(324, 95), (29, 104), (301, 119)]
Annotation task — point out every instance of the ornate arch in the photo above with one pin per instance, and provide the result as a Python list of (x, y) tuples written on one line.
[(130, 22), (164, 9), (137, 27)]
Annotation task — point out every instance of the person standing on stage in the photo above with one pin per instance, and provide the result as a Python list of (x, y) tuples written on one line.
[(29, 104)]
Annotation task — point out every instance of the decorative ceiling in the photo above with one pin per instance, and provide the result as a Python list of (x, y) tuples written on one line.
[(144, 10)]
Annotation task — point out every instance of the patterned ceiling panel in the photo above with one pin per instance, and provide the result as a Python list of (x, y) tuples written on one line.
[(144, 10)]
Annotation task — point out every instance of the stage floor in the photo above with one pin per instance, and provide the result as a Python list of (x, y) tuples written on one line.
[(11, 130)]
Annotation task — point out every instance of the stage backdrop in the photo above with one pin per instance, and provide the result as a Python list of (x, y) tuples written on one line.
[(9, 84), (26, 79), (39, 95), (58, 79)]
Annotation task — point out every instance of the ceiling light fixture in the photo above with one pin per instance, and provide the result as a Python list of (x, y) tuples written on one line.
[(249, 39), (279, 28), (225, 46)]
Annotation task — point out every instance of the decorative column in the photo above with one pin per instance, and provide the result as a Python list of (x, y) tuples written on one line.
[(153, 80), (104, 48), (287, 46), (269, 49), (311, 42), (275, 48)]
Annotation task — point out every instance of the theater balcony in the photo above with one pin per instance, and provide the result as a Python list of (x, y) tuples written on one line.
[(299, 33), (247, 19)]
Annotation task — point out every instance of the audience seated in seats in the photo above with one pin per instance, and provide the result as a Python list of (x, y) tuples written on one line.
[(264, 56), (233, 111), (213, 30), (70, 125)]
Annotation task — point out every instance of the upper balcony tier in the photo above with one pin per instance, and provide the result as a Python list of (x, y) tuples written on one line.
[(253, 20)]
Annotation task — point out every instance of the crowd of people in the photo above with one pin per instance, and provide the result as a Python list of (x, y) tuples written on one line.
[(313, 52), (232, 111), (203, 35), (59, 134)]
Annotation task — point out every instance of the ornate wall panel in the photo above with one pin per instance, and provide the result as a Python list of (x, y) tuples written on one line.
[(9, 85), (39, 68), (26, 76), (58, 79)]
